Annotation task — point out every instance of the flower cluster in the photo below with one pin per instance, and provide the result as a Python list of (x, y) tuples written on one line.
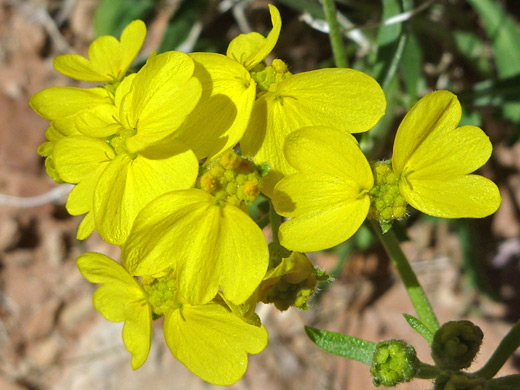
[(157, 171), (335, 188)]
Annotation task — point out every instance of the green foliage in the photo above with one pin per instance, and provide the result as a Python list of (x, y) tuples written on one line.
[(505, 39), (112, 16), (342, 345), (182, 24), (419, 327)]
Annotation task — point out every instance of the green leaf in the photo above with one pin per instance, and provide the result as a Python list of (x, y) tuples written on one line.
[(387, 40), (419, 327), (182, 23), (410, 69), (112, 16), (342, 345), (473, 49), (493, 92), (505, 39)]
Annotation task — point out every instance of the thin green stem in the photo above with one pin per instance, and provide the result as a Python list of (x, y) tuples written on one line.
[(336, 40), (415, 291), (505, 349), (427, 371), (276, 221)]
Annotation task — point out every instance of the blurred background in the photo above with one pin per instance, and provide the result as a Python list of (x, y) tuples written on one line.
[(50, 335)]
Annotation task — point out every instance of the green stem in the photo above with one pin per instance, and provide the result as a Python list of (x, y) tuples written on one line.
[(415, 291), (336, 40), (427, 371), (505, 349), (276, 221)]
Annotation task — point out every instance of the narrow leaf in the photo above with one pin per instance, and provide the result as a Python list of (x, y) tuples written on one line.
[(342, 345), (419, 327)]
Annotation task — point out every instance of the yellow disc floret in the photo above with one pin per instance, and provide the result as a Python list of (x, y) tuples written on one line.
[(233, 179), (386, 202), (162, 293), (268, 77)]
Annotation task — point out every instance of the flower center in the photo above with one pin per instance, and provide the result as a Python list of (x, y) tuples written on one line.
[(386, 202), (268, 77), (161, 293), (233, 179), (118, 142)]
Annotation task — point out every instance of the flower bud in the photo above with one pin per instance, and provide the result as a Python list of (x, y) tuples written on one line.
[(291, 279), (456, 344), (393, 362)]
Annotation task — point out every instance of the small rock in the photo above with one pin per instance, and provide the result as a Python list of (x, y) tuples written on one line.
[(9, 233), (42, 322), (75, 312), (46, 351), (7, 385)]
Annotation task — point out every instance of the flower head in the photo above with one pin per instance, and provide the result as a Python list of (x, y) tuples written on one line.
[(434, 159), (335, 189), (135, 161), (272, 102), (208, 339), (328, 198), (109, 59), (205, 235)]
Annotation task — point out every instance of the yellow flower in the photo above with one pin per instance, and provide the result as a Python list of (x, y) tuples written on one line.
[(271, 102), (109, 59), (334, 188), (327, 199), (205, 234), (120, 298), (341, 98), (210, 243), (208, 339), (219, 120), (434, 159), (118, 175)]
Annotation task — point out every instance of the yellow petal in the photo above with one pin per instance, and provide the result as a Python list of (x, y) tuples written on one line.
[(325, 210), (340, 98), (331, 151), (163, 93), (120, 299), (251, 49), (127, 185), (78, 157), (81, 196), (212, 342), (228, 94), (86, 227), (209, 246), (77, 110), (469, 196), (137, 332), (109, 59), (132, 39), (449, 152), (78, 67), (436, 112), (58, 102)]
